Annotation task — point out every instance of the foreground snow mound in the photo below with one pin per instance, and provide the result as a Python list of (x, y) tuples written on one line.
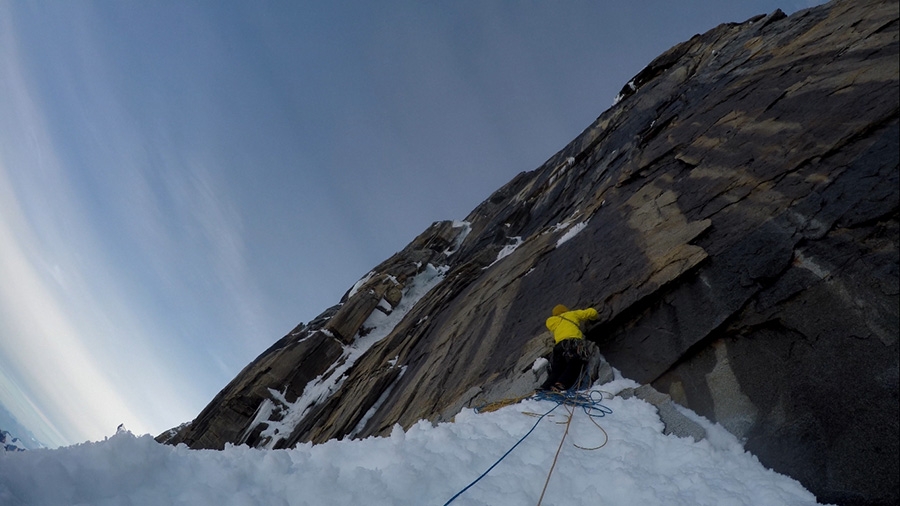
[(424, 465)]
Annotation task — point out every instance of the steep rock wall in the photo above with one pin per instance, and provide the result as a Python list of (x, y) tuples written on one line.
[(734, 218)]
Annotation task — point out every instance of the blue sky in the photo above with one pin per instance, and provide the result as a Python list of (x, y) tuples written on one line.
[(181, 183)]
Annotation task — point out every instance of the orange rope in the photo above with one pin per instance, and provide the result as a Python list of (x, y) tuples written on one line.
[(606, 440), (571, 411)]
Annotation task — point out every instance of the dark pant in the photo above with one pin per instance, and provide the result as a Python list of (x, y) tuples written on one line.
[(567, 363)]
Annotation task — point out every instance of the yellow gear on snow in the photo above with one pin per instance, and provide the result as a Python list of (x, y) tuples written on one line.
[(568, 324)]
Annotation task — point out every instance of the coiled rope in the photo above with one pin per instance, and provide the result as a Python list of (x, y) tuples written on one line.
[(587, 400)]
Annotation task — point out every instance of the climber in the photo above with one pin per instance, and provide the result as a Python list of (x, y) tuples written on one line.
[(572, 354)]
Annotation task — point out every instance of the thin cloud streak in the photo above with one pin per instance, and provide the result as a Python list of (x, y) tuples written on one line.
[(94, 370), (47, 352), (16, 400)]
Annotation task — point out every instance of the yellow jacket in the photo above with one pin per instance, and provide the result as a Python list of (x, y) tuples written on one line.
[(568, 324)]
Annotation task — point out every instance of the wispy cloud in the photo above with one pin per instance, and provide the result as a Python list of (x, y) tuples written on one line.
[(41, 345), (82, 352)]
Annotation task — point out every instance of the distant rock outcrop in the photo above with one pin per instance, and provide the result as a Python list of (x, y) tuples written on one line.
[(10, 443), (733, 218)]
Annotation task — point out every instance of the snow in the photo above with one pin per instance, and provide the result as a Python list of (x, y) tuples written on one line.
[(540, 364), (379, 325), (466, 229), (507, 250), (424, 465), (355, 288), (571, 232), (623, 458)]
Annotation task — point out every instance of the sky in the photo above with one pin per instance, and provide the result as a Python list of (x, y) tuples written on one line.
[(182, 183), (614, 451)]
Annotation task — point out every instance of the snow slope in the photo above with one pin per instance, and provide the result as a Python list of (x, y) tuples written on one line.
[(426, 465)]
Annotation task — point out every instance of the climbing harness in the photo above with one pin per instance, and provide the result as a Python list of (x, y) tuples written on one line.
[(588, 401)]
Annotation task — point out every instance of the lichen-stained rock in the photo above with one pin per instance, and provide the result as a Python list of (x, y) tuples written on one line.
[(734, 220)]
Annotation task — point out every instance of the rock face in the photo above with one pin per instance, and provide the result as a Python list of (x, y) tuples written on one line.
[(733, 218)]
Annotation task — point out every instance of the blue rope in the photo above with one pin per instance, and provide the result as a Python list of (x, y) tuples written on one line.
[(503, 457), (584, 400)]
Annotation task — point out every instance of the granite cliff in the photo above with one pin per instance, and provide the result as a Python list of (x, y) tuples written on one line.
[(734, 219)]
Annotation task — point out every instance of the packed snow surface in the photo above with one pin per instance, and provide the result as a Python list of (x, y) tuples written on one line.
[(571, 231), (425, 465)]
